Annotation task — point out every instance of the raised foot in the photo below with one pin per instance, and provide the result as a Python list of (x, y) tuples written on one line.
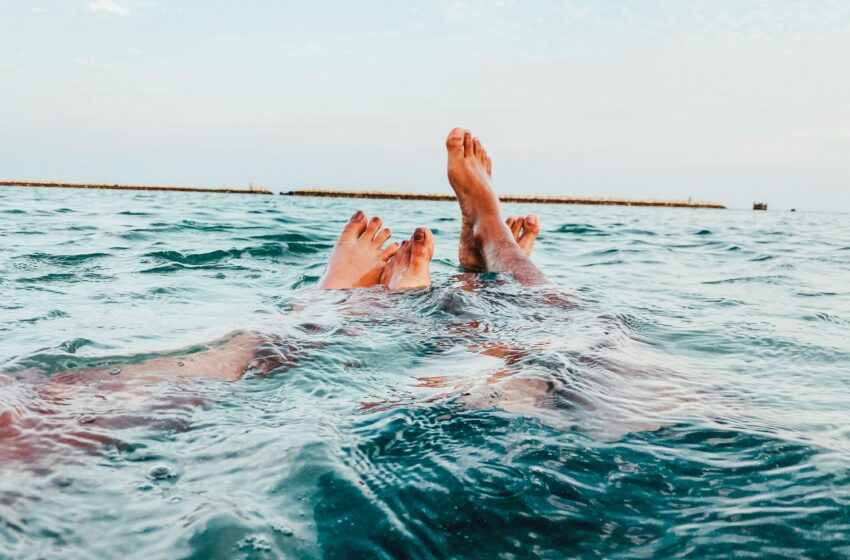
[(359, 256), (410, 268), (486, 242), (470, 175)]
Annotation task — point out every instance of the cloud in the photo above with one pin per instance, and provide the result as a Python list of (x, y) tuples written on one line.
[(109, 6)]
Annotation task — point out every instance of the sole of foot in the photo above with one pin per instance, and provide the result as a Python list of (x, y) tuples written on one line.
[(470, 172), (470, 175)]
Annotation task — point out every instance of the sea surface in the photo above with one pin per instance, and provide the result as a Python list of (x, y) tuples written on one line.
[(682, 391)]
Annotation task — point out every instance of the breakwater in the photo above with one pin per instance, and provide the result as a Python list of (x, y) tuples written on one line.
[(116, 187), (604, 201)]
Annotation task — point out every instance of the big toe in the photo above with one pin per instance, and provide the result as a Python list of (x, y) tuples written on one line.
[(454, 143), (530, 229), (422, 244), (531, 225), (355, 227)]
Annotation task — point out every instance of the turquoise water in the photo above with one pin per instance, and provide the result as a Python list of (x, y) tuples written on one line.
[(690, 398)]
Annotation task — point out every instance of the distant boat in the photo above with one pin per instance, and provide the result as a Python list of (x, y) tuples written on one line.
[(759, 205)]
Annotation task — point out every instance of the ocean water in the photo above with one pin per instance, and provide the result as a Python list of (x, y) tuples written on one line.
[(682, 392)]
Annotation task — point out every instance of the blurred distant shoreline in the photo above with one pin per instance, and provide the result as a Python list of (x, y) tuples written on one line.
[(605, 201)]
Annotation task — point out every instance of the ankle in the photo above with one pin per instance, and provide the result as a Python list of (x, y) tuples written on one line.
[(492, 230)]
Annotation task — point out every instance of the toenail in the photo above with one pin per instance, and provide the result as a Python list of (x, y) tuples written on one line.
[(457, 133), (357, 216), (531, 219), (419, 235)]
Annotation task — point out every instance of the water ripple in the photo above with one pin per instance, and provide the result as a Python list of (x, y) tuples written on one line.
[(683, 393)]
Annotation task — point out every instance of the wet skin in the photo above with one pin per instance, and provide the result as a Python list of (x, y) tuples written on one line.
[(486, 241), (360, 259)]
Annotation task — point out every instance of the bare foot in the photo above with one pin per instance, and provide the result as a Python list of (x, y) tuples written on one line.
[(483, 233), (525, 231), (410, 268), (469, 254), (473, 184), (359, 256)]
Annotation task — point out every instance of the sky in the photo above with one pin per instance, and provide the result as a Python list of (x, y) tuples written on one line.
[(729, 101)]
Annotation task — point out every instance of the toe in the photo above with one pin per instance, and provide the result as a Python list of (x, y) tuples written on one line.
[(531, 226), (476, 147), (390, 251), (468, 147), (488, 165), (382, 236), (422, 244), (372, 228), (517, 227), (510, 221), (402, 257), (454, 143), (355, 226)]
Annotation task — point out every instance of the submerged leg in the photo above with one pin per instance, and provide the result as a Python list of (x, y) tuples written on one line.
[(359, 259), (484, 230)]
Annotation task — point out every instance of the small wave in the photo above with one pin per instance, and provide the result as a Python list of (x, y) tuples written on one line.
[(194, 258), (605, 263), (207, 226), (600, 252), (290, 237), (55, 314), (65, 260), (644, 232), (177, 267), (53, 277), (305, 280), (826, 318), (582, 229), (71, 346), (776, 279)]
